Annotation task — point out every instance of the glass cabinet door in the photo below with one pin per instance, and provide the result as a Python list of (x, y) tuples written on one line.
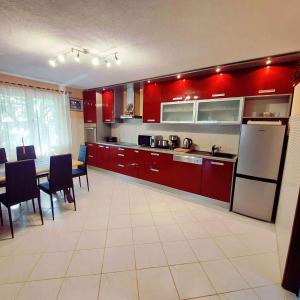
[(178, 112), (223, 111)]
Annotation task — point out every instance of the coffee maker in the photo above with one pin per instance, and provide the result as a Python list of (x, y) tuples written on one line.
[(174, 141)]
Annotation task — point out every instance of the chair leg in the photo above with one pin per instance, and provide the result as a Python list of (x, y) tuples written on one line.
[(79, 181), (65, 196), (10, 223), (51, 199), (1, 215), (33, 205), (74, 197), (40, 208), (87, 182)]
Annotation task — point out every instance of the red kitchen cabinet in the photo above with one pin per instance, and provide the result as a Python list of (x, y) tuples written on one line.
[(89, 107), (92, 154), (186, 177), (108, 108), (217, 179), (179, 88), (101, 156), (268, 80), (151, 104)]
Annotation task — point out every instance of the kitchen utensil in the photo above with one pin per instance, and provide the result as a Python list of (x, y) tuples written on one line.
[(154, 140), (163, 144), (182, 150), (174, 141), (111, 139), (187, 143)]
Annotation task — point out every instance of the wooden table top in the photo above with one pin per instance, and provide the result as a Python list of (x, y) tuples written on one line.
[(42, 165)]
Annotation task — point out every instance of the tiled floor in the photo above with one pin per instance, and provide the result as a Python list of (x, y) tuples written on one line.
[(130, 241)]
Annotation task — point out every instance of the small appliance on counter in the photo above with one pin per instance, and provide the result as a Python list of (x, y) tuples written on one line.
[(174, 141), (144, 140), (111, 139), (187, 143), (154, 139), (163, 144)]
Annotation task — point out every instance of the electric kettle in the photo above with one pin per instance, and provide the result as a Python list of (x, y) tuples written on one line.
[(187, 143)]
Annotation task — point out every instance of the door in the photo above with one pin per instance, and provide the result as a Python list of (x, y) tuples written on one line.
[(260, 150), (254, 198), (151, 104), (108, 106)]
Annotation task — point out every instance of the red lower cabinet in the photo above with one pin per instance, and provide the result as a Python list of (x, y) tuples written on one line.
[(217, 179), (92, 154), (186, 177)]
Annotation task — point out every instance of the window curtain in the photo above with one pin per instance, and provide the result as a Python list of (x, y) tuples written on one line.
[(39, 117)]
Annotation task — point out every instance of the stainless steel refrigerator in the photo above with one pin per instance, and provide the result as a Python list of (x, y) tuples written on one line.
[(257, 174)]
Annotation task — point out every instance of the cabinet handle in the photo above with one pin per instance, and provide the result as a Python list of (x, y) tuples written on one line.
[(100, 146), (106, 147), (107, 120), (266, 91), (90, 121), (91, 156), (217, 163), (154, 154), (120, 165), (121, 149), (134, 164), (119, 154), (90, 145), (136, 151), (154, 170), (150, 120), (218, 95)]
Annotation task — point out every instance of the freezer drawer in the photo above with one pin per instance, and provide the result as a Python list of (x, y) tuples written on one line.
[(254, 198), (260, 150)]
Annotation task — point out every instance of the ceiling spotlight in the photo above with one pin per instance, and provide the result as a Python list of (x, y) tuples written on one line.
[(108, 64), (178, 76), (149, 81), (95, 61), (77, 58), (118, 61), (52, 63), (218, 69), (268, 61), (61, 58), (195, 97)]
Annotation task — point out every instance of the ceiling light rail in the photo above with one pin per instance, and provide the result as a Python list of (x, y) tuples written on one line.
[(77, 53)]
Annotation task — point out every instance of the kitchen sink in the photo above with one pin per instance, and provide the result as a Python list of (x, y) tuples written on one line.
[(218, 154)]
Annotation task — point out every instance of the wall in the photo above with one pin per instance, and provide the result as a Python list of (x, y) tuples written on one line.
[(77, 128), (290, 183), (203, 136)]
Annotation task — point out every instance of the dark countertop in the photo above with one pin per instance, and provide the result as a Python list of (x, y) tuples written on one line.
[(203, 154)]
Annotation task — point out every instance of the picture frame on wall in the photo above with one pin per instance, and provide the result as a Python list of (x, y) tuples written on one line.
[(76, 104)]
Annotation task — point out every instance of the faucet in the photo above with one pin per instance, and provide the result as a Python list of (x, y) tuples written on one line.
[(215, 149)]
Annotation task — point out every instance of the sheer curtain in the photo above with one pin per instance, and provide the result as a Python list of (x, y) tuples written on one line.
[(40, 117)]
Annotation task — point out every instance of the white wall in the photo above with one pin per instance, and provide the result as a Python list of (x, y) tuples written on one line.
[(290, 183), (203, 136)]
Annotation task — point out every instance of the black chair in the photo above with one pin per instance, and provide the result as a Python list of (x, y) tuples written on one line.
[(82, 169), (60, 178), (25, 152), (3, 158), (20, 186)]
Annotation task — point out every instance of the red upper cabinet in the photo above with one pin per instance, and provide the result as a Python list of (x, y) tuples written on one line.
[(268, 80), (151, 105), (108, 108), (89, 107), (217, 179), (179, 88)]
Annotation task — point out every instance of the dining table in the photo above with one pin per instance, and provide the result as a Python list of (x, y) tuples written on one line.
[(42, 166)]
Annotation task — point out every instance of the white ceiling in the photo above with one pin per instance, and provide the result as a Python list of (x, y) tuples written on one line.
[(153, 37)]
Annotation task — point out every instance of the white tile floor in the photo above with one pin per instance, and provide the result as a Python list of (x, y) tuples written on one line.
[(130, 241)]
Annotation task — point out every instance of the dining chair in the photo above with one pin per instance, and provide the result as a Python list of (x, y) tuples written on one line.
[(25, 152), (3, 158), (82, 169), (60, 178), (21, 186)]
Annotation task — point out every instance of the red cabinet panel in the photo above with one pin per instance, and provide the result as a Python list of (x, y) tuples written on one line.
[(108, 108), (217, 179), (186, 177), (151, 104), (89, 107), (92, 154), (273, 79), (178, 88)]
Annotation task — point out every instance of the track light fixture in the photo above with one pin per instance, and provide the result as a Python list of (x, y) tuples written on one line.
[(78, 53)]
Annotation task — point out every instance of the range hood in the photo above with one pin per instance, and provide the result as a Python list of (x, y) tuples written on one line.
[(132, 101)]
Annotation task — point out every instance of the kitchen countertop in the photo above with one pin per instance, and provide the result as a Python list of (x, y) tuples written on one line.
[(202, 154)]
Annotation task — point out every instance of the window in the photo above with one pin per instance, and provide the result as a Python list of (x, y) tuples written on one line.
[(39, 117)]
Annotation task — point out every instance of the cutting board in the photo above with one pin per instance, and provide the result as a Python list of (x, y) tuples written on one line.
[(183, 150)]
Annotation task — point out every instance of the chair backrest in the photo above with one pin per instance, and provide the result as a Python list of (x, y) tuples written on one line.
[(21, 184), (3, 158), (26, 152), (82, 156), (60, 176)]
